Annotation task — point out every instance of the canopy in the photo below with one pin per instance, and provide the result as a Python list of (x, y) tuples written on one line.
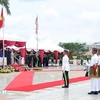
[(45, 45), (12, 40)]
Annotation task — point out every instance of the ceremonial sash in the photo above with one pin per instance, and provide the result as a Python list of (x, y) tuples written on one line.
[(95, 68)]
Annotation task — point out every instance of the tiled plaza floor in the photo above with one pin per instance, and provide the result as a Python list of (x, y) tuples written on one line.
[(76, 91)]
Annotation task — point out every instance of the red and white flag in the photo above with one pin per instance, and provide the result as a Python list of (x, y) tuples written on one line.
[(1, 19), (36, 22)]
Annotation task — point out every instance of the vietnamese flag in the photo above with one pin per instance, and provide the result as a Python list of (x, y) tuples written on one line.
[(1, 19)]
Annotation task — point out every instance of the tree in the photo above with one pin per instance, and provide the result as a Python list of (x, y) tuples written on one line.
[(79, 48), (5, 3)]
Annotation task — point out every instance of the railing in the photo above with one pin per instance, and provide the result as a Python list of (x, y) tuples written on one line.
[(16, 59)]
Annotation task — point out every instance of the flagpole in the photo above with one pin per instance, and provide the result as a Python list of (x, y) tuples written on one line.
[(36, 32), (37, 39), (37, 50), (2, 26), (3, 50)]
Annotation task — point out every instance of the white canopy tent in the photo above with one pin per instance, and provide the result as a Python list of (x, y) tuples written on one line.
[(12, 41), (12, 37), (45, 44)]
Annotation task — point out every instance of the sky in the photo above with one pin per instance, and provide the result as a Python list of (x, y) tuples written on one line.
[(59, 20)]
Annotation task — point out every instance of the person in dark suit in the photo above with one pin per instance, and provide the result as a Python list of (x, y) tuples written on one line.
[(81, 61), (1, 54), (44, 60), (60, 62), (8, 55), (34, 60), (39, 61), (30, 59), (47, 61)]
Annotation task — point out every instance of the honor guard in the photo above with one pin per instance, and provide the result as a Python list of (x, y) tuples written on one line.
[(65, 69), (99, 70), (93, 73)]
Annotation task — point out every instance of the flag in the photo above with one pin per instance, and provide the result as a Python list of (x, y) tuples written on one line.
[(1, 19), (36, 23)]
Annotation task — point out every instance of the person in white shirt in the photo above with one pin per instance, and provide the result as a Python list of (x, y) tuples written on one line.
[(99, 70), (65, 69), (93, 65)]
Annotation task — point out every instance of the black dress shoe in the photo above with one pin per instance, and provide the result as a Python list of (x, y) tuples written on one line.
[(96, 93), (65, 87), (91, 92)]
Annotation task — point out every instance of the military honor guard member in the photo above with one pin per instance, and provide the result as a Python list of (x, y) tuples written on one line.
[(93, 73), (65, 69), (99, 70)]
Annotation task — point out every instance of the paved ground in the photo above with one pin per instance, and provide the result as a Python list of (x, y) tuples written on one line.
[(77, 91)]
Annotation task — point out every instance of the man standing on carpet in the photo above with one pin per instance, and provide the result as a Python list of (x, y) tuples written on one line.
[(93, 65), (99, 70), (65, 69)]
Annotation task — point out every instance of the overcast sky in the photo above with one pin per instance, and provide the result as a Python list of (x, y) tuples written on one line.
[(59, 20)]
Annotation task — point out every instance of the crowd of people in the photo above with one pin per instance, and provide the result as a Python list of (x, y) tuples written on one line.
[(7, 54), (32, 59)]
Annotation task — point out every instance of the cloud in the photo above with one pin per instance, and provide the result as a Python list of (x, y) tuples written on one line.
[(90, 16), (59, 20), (51, 12)]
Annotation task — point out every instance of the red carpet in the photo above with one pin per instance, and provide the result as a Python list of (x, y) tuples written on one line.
[(16, 66), (23, 79), (54, 70), (45, 85)]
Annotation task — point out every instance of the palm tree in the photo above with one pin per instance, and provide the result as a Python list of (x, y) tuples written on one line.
[(5, 3)]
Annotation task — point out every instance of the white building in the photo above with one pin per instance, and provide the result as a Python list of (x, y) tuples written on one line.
[(94, 45)]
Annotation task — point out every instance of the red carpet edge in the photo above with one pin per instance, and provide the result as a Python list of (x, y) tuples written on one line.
[(29, 88), (22, 79)]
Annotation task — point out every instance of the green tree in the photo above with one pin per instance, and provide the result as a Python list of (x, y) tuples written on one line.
[(5, 3), (79, 48)]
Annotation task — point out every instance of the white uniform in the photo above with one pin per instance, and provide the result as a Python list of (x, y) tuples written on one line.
[(65, 63), (94, 81), (99, 77), (65, 69)]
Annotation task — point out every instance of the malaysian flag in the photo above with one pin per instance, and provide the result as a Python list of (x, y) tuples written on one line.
[(36, 22)]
